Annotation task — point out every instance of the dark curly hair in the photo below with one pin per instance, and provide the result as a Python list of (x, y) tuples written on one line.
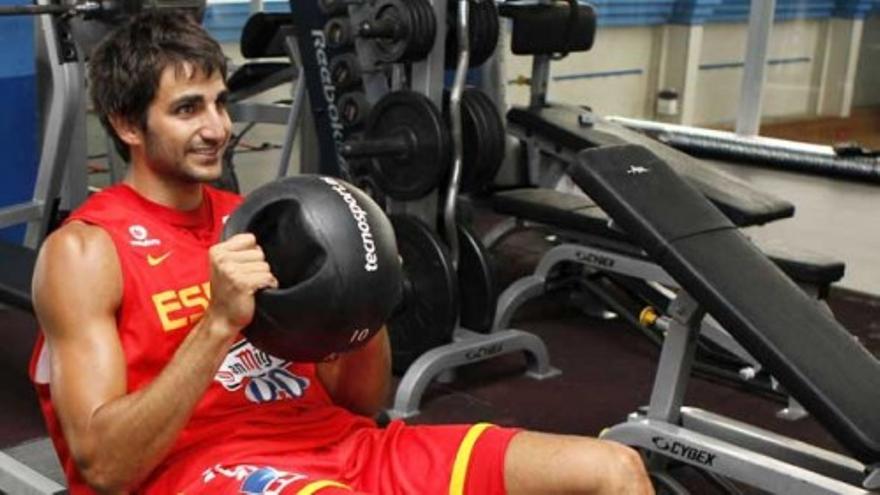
[(125, 68)]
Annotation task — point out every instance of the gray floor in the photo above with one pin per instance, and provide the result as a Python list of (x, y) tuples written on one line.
[(833, 217)]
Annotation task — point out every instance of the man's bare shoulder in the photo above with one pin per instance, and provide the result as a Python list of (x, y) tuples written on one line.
[(77, 262), (79, 246)]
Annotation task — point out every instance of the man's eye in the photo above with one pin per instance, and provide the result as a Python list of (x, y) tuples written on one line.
[(185, 109)]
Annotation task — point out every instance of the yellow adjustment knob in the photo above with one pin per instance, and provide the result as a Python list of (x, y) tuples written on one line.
[(521, 80), (648, 316)]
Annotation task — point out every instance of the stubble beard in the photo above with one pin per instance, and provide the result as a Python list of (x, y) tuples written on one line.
[(178, 167)]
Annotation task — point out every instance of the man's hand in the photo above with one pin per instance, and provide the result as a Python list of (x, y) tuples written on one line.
[(238, 270)]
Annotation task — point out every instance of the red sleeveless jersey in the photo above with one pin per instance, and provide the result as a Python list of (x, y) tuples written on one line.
[(256, 405)]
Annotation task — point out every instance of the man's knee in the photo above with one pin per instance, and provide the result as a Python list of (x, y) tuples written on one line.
[(626, 470)]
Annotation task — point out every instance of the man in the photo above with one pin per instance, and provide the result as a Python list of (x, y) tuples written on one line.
[(144, 378)]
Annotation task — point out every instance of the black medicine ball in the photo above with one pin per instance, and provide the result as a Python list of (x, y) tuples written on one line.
[(334, 254)]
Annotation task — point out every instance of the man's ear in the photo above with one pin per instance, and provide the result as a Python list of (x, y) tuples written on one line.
[(129, 132)]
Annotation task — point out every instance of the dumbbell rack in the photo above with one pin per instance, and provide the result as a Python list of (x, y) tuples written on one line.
[(424, 76)]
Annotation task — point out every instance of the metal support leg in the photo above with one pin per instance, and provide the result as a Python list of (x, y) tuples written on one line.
[(469, 347)]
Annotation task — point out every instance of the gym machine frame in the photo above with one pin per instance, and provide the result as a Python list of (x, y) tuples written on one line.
[(64, 63), (721, 445), (426, 77)]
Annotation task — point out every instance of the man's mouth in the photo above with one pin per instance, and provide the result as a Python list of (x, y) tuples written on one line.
[(208, 153)]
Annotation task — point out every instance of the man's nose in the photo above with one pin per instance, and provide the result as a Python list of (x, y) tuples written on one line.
[(217, 125)]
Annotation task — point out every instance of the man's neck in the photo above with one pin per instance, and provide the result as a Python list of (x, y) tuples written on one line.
[(164, 190)]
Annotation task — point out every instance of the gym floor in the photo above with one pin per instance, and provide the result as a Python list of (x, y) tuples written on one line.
[(607, 367)]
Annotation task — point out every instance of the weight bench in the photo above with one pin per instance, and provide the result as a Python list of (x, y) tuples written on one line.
[(555, 133), (585, 236), (31, 467), (723, 274)]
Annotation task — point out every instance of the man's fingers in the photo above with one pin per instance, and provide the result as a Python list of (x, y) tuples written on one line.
[(258, 280), (240, 241), (244, 256)]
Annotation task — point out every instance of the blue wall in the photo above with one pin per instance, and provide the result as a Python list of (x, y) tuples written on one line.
[(18, 114)]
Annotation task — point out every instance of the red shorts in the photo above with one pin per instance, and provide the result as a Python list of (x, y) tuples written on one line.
[(398, 459)]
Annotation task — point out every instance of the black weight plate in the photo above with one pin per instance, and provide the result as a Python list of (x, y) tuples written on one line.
[(483, 29), (345, 70), (483, 138), (477, 288), (365, 183), (496, 144), (353, 108), (396, 11), (473, 132), (427, 315), (427, 24), (414, 115), (338, 32), (476, 135), (492, 31)]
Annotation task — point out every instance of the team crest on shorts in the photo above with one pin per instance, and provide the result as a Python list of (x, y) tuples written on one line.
[(255, 480), (262, 377)]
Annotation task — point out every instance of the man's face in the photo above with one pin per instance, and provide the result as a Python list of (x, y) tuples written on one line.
[(188, 127)]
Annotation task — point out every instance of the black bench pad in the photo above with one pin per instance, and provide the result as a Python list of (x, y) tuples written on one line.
[(557, 209), (16, 269), (263, 34), (255, 77), (811, 355), (805, 266), (580, 214), (739, 201)]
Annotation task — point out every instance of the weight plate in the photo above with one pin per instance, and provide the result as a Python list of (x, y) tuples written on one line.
[(424, 37), (394, 12), (368, 185), (477, 289), (338, 32), (353, 108), (413, 115), (483, 28), (484, 139), (345, 70), (496, 141), (428, 311)]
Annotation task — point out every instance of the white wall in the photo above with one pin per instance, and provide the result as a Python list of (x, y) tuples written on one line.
[(791, 88), (615, 49)]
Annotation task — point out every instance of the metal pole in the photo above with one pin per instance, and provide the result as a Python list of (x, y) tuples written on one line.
[(748, 119)]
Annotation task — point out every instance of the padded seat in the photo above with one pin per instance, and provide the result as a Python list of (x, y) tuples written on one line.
[(558, 209), (580, 214), (253, 78), (263, 36)]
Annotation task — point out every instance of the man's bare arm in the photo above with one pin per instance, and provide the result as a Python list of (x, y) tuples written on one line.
[(116, 438)]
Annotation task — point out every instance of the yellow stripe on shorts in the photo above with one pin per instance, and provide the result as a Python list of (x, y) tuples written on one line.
[(315, 486), (463, 457)]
